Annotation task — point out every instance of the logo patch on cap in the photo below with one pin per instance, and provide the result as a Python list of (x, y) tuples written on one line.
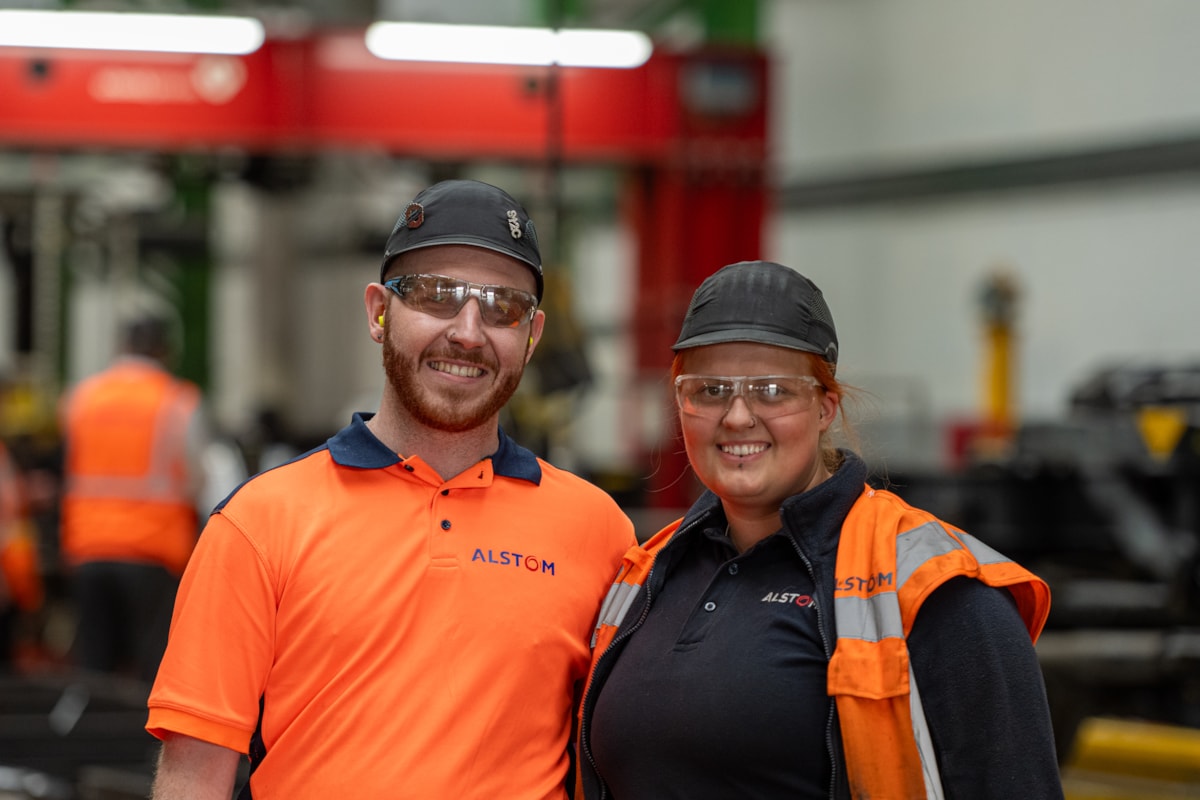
[(414, 215), (514, 224)]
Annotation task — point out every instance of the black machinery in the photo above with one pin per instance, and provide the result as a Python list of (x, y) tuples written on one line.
[(1106, 507)]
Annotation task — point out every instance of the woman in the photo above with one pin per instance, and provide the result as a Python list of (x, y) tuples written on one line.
[(798, 634)]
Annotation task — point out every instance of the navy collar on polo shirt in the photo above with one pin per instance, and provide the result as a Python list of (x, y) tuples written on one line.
[(356, 446)]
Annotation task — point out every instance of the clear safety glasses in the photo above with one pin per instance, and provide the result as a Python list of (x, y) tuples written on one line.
[(443, 297), (767, 396)]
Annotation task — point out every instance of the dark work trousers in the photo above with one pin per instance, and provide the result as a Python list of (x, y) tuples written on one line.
[(123, 615)]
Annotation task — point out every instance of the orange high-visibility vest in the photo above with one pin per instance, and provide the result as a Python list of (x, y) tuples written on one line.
[(127, 494), (891, 556), (20, 570)]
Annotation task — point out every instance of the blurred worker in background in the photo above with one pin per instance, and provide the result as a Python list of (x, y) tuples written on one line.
[(21, 588), (134, 437), (404, 611), (797, 633)]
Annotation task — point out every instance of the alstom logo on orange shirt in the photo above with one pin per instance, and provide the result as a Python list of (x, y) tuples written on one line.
[(507, 558)]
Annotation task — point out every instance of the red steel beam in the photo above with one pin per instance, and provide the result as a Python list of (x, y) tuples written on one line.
[(326, 90)]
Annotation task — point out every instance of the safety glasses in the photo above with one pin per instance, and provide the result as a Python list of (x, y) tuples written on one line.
[(443, 297), (767, 396)]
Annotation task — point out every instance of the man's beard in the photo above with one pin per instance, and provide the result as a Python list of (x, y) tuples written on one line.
[(455, 410)]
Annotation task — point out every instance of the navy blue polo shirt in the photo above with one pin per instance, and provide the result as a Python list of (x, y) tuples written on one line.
[(732, 656)]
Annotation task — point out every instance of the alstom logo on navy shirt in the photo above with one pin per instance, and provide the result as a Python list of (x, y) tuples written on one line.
[(510, 559), (794, 598)]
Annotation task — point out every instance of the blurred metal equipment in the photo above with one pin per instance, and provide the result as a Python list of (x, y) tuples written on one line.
[(25, 784), (1105, 505), (74, 737)]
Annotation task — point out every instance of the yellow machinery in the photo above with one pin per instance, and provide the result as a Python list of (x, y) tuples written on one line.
[(999, 301), (1115, 759)]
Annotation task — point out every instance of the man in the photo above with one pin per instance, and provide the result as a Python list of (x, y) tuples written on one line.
[(406, 610), (134, 436)]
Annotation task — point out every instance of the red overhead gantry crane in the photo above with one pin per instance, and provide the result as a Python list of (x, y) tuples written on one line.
[(688, 128)]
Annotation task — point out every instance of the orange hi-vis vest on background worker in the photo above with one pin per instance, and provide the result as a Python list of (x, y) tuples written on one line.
[(20, 571), (890, 557), (128, 490)]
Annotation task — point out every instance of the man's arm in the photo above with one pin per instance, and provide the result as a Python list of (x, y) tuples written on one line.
[(194, 770)]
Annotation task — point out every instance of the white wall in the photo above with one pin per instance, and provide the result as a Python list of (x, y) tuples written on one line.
[(1103, 277), (1107, 272), (867, 82)]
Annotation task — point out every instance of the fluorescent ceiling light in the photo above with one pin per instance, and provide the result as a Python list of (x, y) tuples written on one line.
[(161, 33), (487, 44)]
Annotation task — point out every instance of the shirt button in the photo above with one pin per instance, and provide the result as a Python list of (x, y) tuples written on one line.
[(733, 568), (409, 467), (710, 606), (445, 524), (445, 492)]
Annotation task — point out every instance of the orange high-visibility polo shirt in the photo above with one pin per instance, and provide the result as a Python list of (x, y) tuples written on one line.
[(408, 636)]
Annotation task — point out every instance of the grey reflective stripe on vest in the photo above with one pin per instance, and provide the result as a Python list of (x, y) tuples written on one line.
[(915, 547), (616, 605), (983, 554), (158, 484), (877, 617), (929, 765)]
